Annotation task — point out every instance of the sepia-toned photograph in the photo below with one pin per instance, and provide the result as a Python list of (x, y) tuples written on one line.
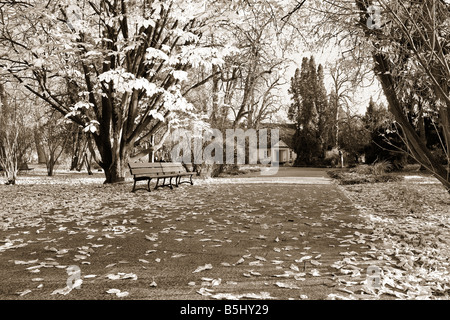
[(224, 155)]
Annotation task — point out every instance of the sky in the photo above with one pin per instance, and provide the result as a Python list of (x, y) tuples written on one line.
[(362, 96)]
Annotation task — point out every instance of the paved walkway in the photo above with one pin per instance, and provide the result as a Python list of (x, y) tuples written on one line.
[(207, 241), (291, 175), (297, 172)]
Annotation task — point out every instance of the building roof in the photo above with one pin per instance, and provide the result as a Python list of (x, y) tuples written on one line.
[(282, 144)]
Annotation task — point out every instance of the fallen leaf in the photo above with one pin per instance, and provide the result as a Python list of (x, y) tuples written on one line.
[(152, 238), (118, 293), (121, 276), (25, 262), (64, 291), (22, 293), (303, 259), (114, 291), (255, 263), (216, 282), (315, 263), (294, 267), (315, 273), (202, 268), (286, 285), (205, 291)]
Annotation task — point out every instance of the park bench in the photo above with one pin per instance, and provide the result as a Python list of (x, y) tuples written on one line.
[(159, 171)]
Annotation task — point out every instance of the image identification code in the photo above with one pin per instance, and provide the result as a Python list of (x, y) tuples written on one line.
[(228, 309)]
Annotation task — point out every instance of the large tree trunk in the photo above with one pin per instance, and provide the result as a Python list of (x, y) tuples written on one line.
[(8, 140), (77, 150), (39, 148), (114, 167), (115, 173), (114, 157)]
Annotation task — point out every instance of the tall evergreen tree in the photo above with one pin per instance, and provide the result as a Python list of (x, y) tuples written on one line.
[(309, 110), (324, 117)]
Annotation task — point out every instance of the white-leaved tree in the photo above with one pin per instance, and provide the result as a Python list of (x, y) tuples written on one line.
[(123, 60)]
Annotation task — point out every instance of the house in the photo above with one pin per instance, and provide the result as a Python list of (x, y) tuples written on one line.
[(282, 153)]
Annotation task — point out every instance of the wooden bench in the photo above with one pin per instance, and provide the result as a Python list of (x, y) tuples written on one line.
[(159, 171)]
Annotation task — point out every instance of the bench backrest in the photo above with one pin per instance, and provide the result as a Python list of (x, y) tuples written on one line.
[(138, 168), (172, 168), (155, 168)]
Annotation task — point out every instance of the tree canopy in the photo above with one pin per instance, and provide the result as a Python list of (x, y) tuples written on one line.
[(125, 70)]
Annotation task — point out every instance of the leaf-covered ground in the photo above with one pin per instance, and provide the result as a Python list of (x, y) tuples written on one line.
[(411, 220), (221, 240)]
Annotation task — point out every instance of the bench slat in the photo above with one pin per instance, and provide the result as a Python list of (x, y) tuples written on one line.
[(142, 171), (144, 165)]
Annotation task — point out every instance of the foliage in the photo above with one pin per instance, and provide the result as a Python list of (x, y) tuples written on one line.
[(15, 133), (353, 137), (309, 109), (124, 60), (353, 177), (54, 136), (381, 167), (408, 219), (374, 173), (246, 91), (384, 143), (404, 43)]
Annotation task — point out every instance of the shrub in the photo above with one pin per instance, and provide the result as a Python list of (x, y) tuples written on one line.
[(363, 169), (332, 158), (363, 174), (382, 167), (387, 178)]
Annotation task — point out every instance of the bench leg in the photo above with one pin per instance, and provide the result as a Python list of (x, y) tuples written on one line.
[(164, 184), (148, 185), (189, 181)]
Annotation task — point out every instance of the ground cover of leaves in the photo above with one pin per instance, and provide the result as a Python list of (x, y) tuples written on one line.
[(411, 219), (220, 241)]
